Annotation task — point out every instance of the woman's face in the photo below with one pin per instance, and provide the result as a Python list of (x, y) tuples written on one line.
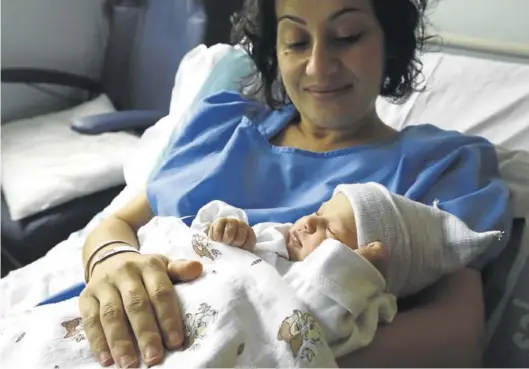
[(331, 58)]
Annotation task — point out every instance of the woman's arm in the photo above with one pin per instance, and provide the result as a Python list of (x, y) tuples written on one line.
[(120, 226), (444, 330)]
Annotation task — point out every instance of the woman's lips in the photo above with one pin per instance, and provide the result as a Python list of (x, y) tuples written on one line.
[(324, 93)]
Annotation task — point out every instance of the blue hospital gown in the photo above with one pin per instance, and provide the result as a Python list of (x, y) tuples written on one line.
[(224, 153)]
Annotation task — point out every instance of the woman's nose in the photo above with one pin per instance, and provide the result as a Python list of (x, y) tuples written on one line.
[(322, 62)]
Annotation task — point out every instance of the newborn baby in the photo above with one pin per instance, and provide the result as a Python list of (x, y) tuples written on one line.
[(334, 220), (413, 243)]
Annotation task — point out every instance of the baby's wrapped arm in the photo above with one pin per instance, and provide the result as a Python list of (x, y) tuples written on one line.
[(213, 211), (346, 294), (271, 239)]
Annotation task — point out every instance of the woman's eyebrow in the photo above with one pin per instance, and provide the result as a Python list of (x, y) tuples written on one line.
[(343, 11), (293, 18), (331, 18)]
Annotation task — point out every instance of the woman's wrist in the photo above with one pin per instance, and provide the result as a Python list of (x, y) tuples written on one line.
[(107, 254), (98, 250), (110, 228)]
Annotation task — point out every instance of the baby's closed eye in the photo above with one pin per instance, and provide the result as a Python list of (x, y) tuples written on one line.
[(330, 233)]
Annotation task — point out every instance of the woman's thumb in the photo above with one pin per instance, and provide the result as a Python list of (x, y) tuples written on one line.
[(184, 270)]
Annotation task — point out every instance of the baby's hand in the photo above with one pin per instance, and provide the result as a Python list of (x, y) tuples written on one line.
[(232, 232), (377, 255)]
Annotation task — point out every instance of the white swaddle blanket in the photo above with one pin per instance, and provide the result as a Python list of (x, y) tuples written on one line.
[(247, 309)]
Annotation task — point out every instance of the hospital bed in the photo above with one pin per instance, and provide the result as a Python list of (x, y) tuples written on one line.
[(479, 88)]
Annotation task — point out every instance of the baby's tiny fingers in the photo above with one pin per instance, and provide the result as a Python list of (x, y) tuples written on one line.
[(230, 231), (217, 229), (241, 235), (251, 239)]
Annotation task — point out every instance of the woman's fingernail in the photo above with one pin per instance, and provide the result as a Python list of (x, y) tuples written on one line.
[(105, 358), (126, 361), (175, 339), (191, 262), (151, 353)]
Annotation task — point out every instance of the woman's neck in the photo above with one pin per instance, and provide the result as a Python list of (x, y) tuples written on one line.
[(305, 135)]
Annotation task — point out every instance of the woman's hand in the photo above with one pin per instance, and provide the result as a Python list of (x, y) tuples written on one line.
[(130, 298), (232, 232), (377, 255)]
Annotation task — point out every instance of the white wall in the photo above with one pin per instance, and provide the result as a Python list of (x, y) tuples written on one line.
[(499, 20), (68, 35)]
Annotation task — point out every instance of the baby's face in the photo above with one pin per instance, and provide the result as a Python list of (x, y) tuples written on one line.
[(334, 219)]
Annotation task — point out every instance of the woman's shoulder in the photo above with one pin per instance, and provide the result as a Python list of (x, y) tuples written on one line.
[(229, 108), (223, 109), (433, 133), (225, 105), (430, 138), (229, 100), (221, 114)]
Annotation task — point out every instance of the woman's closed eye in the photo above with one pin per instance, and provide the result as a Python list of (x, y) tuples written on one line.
[(345, 41), (297, 45), (348, 40)]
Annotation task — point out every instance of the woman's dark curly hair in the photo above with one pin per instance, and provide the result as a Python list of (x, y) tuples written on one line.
[(403, 23)]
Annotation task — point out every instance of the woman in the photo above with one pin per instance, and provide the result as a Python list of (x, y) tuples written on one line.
[(321, 66)]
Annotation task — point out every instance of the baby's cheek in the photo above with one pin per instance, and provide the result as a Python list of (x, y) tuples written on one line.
[(314, 246), (306, 250), (316, 241)]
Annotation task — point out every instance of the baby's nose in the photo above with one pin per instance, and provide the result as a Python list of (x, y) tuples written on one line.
[(311, 224)]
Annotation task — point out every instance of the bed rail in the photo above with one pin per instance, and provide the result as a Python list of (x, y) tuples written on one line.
[(481, 45)]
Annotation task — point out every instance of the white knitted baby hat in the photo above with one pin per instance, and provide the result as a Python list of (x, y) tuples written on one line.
[(423, 242)]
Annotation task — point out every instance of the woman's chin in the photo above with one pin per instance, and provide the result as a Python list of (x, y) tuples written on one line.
[(335, 119)]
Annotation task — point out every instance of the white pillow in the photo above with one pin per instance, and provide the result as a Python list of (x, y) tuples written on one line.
[(45, 163)]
